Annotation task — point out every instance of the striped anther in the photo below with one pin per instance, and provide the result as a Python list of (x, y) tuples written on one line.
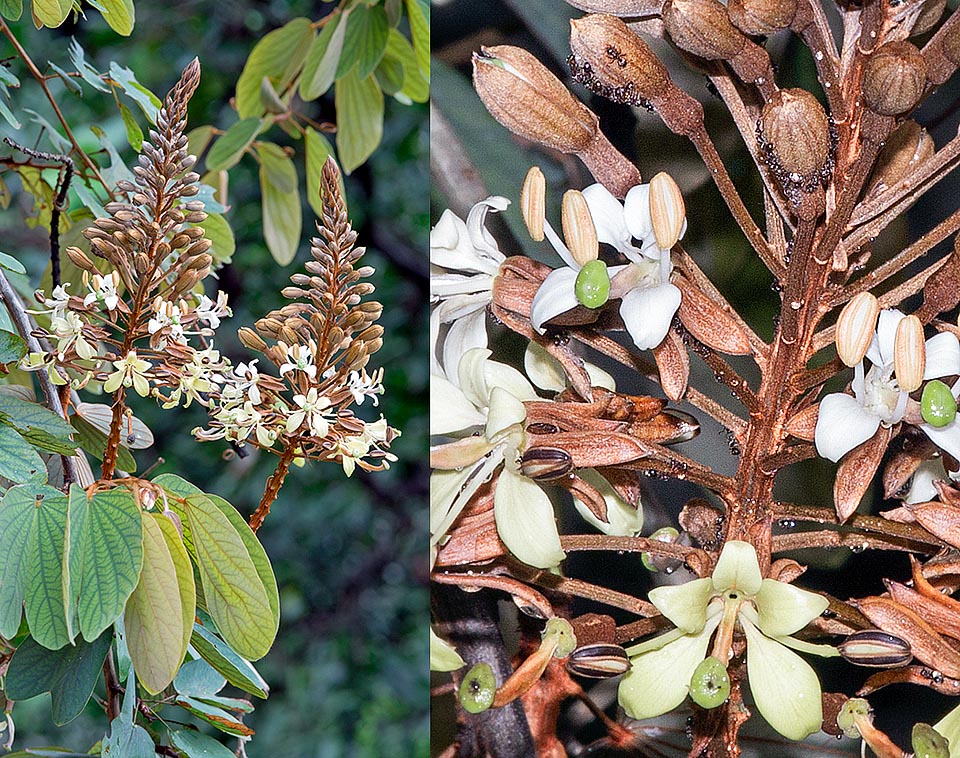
[(856, 327), (909, 354), (579, 231), (599, 661), (533, 202), (875, 649)]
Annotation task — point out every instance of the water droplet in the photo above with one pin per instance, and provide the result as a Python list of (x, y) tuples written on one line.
[(818, 55), (787, 523)]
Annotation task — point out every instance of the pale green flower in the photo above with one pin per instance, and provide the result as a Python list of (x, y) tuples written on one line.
[(785, 688), (131, 370), (443, 656)]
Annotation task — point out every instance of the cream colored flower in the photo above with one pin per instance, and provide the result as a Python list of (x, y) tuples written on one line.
[(131, 370)]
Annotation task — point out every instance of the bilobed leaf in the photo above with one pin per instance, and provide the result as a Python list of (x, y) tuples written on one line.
[(11, 264), (278, 166), (194, 744), (154, 614), (89, 74), (93, 441), (68, 674), (51, 13), (11, 9), (40, 426), (359, 119), (17, 521), (320, 67), (279, 55), (235, 595), (127, 739), (365, 40), (181, 489), (104, 557), (19, 462), (282, 219), (217, 229), (119, 15), (238, 671), (134, 434), (318, 149), (230, 145), (134, 132), (185, 581), (418, 14)]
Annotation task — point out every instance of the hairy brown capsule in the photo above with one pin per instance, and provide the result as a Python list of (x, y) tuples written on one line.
[(761, 17), (894, 78), (702, 27), (794, 133)]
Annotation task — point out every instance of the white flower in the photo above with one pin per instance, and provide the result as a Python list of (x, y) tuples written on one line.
[(464, 261), (353, 448), (846, 421), (311, 409), (298, 358), (167, 315), (131, 370), (103, 289), (210, 313), (784, 687), (362, 386), (68, 331), (56, 304), (648, 301)]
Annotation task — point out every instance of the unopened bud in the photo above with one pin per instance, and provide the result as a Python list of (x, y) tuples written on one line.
[(894, 78), (617, 62), (702, 27), (667, 211), (578, 228), (79, 259), (601, 660), (795, 135), (533, 201), (526, 98), (909, 146), (950, 41), (909, 354), (856, 326), (761, 17), (251, 340)]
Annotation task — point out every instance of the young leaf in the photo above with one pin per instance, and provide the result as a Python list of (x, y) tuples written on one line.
[(279, 56), (68, 674), (318, 149), (217, 229), (51, 13), (154, 614), (11, 9), (148, 102), (19, 462), (231, 145), (278, 166), (415, 85), (12, 347), (239, 672), (89, 74), (199, 679), (359, 119), (235, 595), (365, 40), (40, 426), (320, 67), (193, 744), (46, 568), (119, 14), (221, 719), (418, 13), (282, 219), (134, 132), (11, 264)]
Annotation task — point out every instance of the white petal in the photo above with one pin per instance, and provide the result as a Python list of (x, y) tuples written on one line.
[(482, 240), (543, 369), (647, 313), (452, 412), (946, 437), (737, 569), (464, 335), (502, 376), (525, 521), (636, 210), (607, 214), (921, 486), (555, 296), (660, 679), (842, 424), (445, 286), (472, 376), (684, 604), (505, 411), (943, 356), (881, 350), (599, 377), (949, 727), (785, 609), (450, 491), (784, 686), (623, 519), (443, 656)]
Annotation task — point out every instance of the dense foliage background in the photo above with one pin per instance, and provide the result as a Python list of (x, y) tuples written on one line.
[(348, 553)]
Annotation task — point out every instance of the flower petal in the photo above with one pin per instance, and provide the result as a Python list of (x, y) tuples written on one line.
[(943, 356), (784, 686), (949, 727), (502, 376), (842, 424), (607, 214), (525, 521), (684, 604), (785, 609), (505, 411), (946, 437), (482, 240), (737, 569), (647, 313), (921, 486), (463, 335), (660, 679), (443, 656), (555, 296), (452, 412), (623, 519), (543, 369), (636, 212), (450, 491), (880, 351)]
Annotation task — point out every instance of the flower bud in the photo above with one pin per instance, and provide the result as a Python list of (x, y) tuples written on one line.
[(909, 354), (856, 326), (854, 710), (761, 17), (478, 688), (579, 231), (909, 146), (533, 202), (619, 65), (950, 42), (79, 259), (702, 27), (526, 98), (250, 339), (795, 134), (667, 211), (545, 463), (927, 742), (894, 78)]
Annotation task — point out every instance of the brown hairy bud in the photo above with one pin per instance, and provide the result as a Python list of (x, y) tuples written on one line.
[(795, 134), (894, 78), (702, 27), (908, 147), (618, 60), (526, 98), (761, 17), (928, 17), (79, 259)]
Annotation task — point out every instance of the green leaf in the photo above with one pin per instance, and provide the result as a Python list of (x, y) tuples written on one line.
[(51, 13), (68, 81), (19, 462), (193, 744), (318, 149), (126, 738), (134, 132), (415, 85), (282, 219), (11, 9), (279, 56), (217, 229), (420, 32), (277, 164), (17, 513), (235, 595), (41, 426), (181, 489), (221, 719), (46, 575), (238, 671), (105, 555), (231, 145), (154, 615), (119, 15), (199, 679), (359, 105), (390, 75), (365, 40), (198, 139), (69, 674), (148, 102), (320, 67), (12, 347), (89, 74), (185, 580), (93, 441), (11, 264)]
